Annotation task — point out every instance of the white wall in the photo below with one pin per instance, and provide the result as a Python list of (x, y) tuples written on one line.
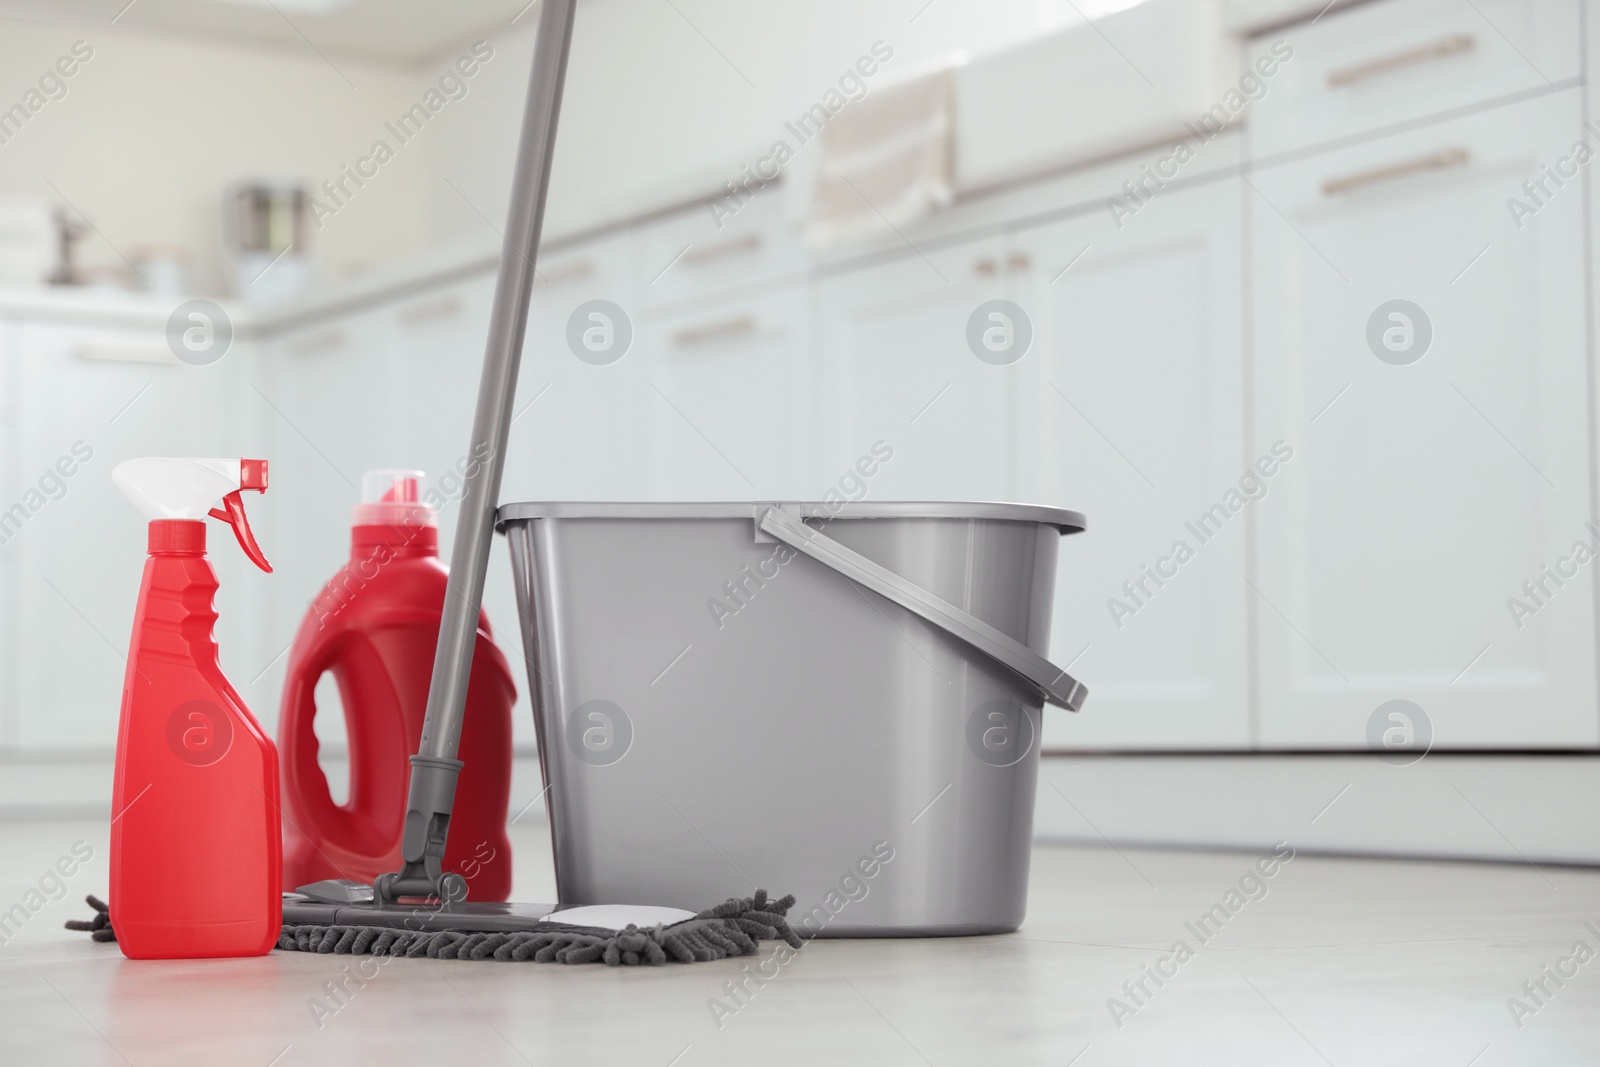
[(152, 128), (662, 107), (663, 103)]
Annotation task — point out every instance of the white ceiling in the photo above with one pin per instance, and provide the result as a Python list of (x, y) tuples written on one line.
[(394, 32)]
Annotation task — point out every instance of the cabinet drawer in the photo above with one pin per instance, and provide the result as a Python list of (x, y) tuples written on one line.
[(730, 414), (574, 426), (603, 267), (1390, 62), (689, 256)]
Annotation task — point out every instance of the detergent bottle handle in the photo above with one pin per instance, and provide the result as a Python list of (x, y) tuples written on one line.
[(304, 784), (232, 513), (368, 823)]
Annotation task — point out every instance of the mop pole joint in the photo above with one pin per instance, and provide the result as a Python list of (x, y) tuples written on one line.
[(422, 874)]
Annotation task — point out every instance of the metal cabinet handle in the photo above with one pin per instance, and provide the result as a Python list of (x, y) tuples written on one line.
[(987, 267), (318, 342), (1454, 45), (125, 350), (1444, 159), (700, 255), (564, 272), (443, 308), (737, 326)]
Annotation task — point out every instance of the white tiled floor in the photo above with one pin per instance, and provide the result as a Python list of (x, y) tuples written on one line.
[(1343, 962)]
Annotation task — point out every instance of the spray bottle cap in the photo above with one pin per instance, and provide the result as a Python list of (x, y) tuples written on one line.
[(392, 498), (165, 489)]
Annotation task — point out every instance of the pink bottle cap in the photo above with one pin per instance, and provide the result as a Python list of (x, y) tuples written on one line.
[(392, 498)]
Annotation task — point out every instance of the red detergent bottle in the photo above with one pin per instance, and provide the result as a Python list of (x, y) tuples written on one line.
[(374, 627), (196, 851)]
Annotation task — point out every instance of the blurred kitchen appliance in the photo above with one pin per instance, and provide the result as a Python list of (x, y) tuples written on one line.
[(27, 241), (70, 228), (265, 227)]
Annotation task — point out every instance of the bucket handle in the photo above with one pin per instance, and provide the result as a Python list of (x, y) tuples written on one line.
[(1050, 682)]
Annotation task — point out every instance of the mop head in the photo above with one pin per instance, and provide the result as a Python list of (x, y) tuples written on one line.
[(733, 928)]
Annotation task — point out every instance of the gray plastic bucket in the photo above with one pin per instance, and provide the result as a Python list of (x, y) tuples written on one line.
[(844, 706)]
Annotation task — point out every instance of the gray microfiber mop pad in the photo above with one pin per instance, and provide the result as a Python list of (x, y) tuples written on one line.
[(733, 928), (99, 927)]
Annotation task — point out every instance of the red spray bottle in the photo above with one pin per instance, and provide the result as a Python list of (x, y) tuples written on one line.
[(374, 627), (196, 852)]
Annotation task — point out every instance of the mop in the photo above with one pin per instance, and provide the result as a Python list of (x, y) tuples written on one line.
[(733, 928), (422, 911)]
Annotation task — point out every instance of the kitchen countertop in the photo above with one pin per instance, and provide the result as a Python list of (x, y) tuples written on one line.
[(145, 311), (1245, 17)]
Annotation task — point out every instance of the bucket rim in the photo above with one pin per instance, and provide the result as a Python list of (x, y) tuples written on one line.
[(1067, 522)]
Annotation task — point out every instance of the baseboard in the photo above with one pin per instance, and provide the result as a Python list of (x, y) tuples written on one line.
[(67, 788), (46, 788), (1512, 807), (1509, 807)]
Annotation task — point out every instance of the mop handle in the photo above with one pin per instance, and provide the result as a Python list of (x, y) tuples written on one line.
[(434, 767)]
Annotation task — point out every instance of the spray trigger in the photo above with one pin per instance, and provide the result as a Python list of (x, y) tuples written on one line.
[(234, 516)]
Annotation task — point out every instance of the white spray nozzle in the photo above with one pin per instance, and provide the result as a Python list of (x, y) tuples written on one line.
[(177, 488), (192, 488)]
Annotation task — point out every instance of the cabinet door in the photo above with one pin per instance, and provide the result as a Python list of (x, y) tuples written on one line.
[(731, 418), (580, 430), (437, 360), (1132, 414), (85, 399), (1442, 448), (332, 393), (439, 357), (11, 481), (897, 367)]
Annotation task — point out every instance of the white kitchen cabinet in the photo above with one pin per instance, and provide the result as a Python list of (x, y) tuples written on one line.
[(72, 563), (580, 428), (438, 358), (11, 481), (731, 416), (1131, 412), (1430, 481), (695, 254), (1591, 10), (392, 385), (1377, 564), (440, 341), (332, 394), (1375, 66), (893, 364)]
